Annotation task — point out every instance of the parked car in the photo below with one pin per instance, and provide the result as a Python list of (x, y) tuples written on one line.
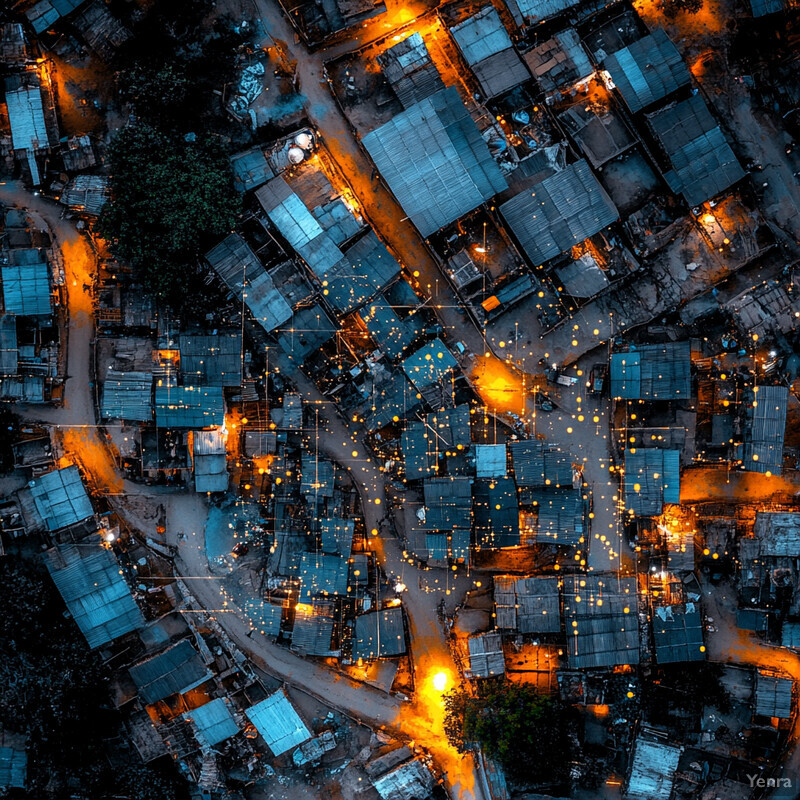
[(240, 549)]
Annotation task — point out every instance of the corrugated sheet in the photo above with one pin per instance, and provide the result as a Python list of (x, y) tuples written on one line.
[(379, 634), (86, 193), (336, 535), (652, 479), (312, 634), (250, 169), (214, 722), (9, 353), (600, 133), (435, 161), (317, 475), (293, 411), (432, 363), (128, 396), (500, 72), (263, 615), (246, 278), (448, 503), (410, 72), (189, 406), (26, 117), (652, 372), (490, 461), (760, 8), (309, 329), (13, 768), (337, 220), (790, 635), (26, 289), (778, 534), (278, 723), (559, 62), (678, 634), (600, 614), (418, 454), (211, 360), (410, 781), (537, 464), (703, 164), (558, 213), (560, 513), (61, 498), (532, 12), (366, 268), (322, 575), (653, 770), (393, 400), (436, 545), (486, 657), (297, 225), (582, 277), (495, 513), (648, 70), (46, 13), (773, 696), (95, 592), (766, 427), (210, 461), (481, 35), (176, 670)]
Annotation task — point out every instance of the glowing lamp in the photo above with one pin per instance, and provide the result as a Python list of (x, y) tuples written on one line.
[(440, 681)]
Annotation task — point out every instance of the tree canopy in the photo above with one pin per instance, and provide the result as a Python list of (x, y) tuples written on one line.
[(170, 199), (524, 731)]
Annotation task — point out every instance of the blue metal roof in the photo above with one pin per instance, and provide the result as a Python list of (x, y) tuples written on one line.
[(337, 220), (432, 363), (703, 163), (410, 72), (392, 401), (214, 722), (297, 225), (13, 768), (490, 460), (678, 634), (764, 433), (647, 70), (308, 330), (366, 268), (278, 723), (174, 671), (379, 634), (322, 575), (532, 12), (189, 406), (448, 503), (263, 615), (127, 396), (538, 464), (312, 634), (652, 479), (9, 354), (250, 169), (95, 592), (336, 536), (561, 515), (559, 212), (495, 513), (214, 360), (435, 161), (652, 372), (390, 333), (418, 455), (26, 289), (760, 8), (61, 498), (26, 118)]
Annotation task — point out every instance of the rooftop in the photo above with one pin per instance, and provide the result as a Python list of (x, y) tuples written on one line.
[(527, 605), (653, 770), (560, 515), (773, 696), (652, 372), (532, 12), (309, 329), (778, 534), (13, 768), (558, 213), (559, 62), (379, 634), (764, 433), (430, 364), (61, 498), (652, 479), (703, 164), (176, 670), (250, 169), (211, 360), (26, 289), (278, 723), (99, 599), (678, 634), (490, 460), (538, 464), (189, 406), (26, 118), (312, 634), (336, 535), (448, 503), (408, 68), (127, 396), (647, 70), (213, 722), (435, 161), (495, 513), (486, 657), (46, 13), (322, 575)]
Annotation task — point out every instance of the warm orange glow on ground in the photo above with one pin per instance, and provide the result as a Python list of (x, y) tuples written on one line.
[(499, 385), (440, 681)]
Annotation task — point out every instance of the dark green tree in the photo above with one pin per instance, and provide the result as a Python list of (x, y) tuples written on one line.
[(524, 731), (674, 7), (171, 198)]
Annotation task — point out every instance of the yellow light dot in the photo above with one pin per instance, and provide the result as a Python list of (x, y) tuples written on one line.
[(637, 487), (569, 430), (574, 342), (355, 453), (706, 552), (502, 344), (715, 556), (596, 331), (580, 417), (630, 695), (702, 648), (626, 610), (440, 681), (595, 418), (247, 487)]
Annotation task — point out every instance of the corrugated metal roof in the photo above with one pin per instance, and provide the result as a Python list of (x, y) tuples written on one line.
[(337, 220), (652, 372), (366, 268), (436, 545), (26, 289), (418, 454), (211, 360), (189, 406), (317, 475), (500, 72), (765, 430), (13, 768), (778, 534), (127, 396), (790, 635), (336, 535), (561, 515), (527, 605), (602, 626), (312, 634), (379, 634), (448, 503), (9, 353), (531, 12), (86, 193), (652, 479), (653, 770), (410, 72), (435, 161), (647, 70), (559, 212), (495, 513), (582, 277), (432, 363), (95, 592), (297, 225), (490, 461), (393, 398), (600, 133), (214, 722), (61, 498), (559, 62), (678, 634), (773, 696), (210, 461), (486, 657), (538, 464), (409, 781), (293, 411), (278, 723), (703, 164), (322, 575), (26, 117), (46, 13), (760, 8), (309, 329), (174, 671), (250, 169), (263, 615), (246, 278)]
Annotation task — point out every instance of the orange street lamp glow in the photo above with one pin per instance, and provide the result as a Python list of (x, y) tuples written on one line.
[(440, 681)]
